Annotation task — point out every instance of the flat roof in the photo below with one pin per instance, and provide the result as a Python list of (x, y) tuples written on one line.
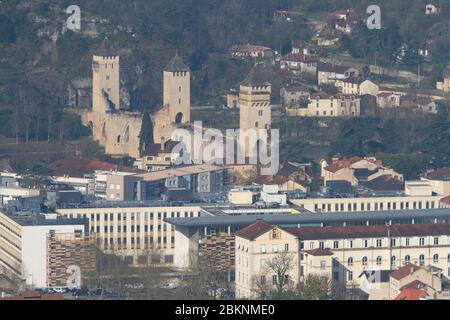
[(176, 172), (308, 218), (34, 220)]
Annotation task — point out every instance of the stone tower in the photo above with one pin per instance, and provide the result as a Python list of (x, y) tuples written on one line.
[(254, 105), (105, 85), (254, 100), (177, 88)]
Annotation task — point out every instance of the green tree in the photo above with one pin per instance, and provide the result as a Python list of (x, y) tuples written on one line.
[(146, 134), (313, 288)]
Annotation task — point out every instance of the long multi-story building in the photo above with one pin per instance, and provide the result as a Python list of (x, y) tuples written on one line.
[(339, 254), (214, 235), (369, 203), (134, 232), (33, 248)]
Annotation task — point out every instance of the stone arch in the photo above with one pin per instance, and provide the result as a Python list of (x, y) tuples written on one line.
[(179, 117)]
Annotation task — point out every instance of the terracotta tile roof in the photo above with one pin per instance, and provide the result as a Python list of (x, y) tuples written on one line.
[(375, 231), (320, 252), (404, 271), (440, 174), (416, 284), (446, 200), (77, 167), (408, 104), (344, 163), (411, 294), (254, 230)]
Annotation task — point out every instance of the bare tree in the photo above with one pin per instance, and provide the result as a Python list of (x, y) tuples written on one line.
[(278, 270)]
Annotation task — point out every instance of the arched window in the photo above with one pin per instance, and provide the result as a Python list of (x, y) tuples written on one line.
[(118, 139), (407, 258), (379, 259), (421, 260), (364, 261), (436, 258), (350, 261), (393, 260)]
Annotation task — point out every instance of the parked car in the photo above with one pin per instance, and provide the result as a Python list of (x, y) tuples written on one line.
[(169, 286)]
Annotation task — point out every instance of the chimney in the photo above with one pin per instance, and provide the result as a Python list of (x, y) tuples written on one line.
[(412, 270), (162, 146)]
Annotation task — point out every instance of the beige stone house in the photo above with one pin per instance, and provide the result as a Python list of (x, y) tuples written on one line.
[(322, 104), (428, 278), (355, 170)]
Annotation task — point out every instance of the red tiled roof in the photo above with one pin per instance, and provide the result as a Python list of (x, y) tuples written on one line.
[(416, 284), (320, 252), (375, 231), (411, 294), (408, 104), (440, 174), (254, 230), (446, 200), (340, 164), (78, 167), (404, 271)]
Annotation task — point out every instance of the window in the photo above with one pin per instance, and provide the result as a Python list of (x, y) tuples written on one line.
[(436, 258), (365, 243), (286, 247), (407, 242), (422, 241), (263, 249), (335, 244), (364, 261), (421, 260), (350, 243), (274, 279), (350, 276), (448, 258), (322, 264), (393, 242), (436, 241), (407, 259), (274, 248), (379, 260), (393, 261), (321, 245), (350, 261), (379, 242)]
